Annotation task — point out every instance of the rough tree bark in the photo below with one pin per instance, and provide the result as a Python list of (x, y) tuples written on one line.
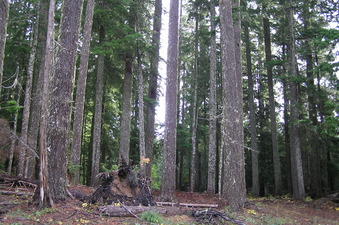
[(37, 86), (4, 10), (97, 113), (252, 115), (60, 104), (141, 119), (211, 179), (315, 168), (126, 110), (125, 131), (193, 174), (44, 198), (234, 189), (296, 162), (169, 161), (153, 85), (24, 156), (273, 124), (15, 125), (80, 91)]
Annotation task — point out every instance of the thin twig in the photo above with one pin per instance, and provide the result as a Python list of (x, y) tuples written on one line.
[(129, 211)]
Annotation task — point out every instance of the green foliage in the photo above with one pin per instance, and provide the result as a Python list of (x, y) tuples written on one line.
[(71, 168), (107, 168), (152, 217), (11, 106), (156, 175), (45, 211)]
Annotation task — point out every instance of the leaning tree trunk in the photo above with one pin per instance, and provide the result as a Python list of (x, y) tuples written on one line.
[(234, 189), (4, 11), (60, 103), (296, 162), (169, 161), (80, 92), (211, 175)]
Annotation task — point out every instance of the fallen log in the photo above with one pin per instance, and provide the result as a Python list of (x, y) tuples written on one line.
[(191, 205), (129, 211), (16, 193)]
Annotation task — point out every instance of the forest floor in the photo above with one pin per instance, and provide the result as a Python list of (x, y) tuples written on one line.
[(16, 209)]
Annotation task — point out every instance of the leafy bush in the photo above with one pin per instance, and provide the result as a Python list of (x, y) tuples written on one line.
[(152, 217)]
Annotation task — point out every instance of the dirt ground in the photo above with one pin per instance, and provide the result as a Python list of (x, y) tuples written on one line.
[(15, 208)]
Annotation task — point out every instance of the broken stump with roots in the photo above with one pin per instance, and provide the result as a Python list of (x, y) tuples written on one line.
[(123, 186)]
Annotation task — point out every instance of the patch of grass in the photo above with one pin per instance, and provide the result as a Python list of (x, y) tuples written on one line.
[(152, 217), (45, 211), (17, 213)]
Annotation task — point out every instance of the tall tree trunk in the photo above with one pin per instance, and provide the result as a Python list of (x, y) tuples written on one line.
[(212, 154), (37, 86), (15, 125), (169, 161), (4, 11), (234, 189), (60, 106), (153, 85), (296, 163), (274, 134), (97, 113), (24, 155), (126, 111), (44, 196), (80, 92), (141, 120), (194, 108), (252, 116), (315, 169)]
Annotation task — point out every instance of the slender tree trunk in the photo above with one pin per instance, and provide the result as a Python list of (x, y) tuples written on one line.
[(274, 134), (169, 161), (211, 176), (24, 156), (44, 195), (252, 116), (153, 85), (125, 131), (126, 111), (194, 109), (60, 106), (4, 11), (141, 120), (15, 125), (37, 86), (234, 189), (315, 169), (80, 91), (97, 113), (296, 162)]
